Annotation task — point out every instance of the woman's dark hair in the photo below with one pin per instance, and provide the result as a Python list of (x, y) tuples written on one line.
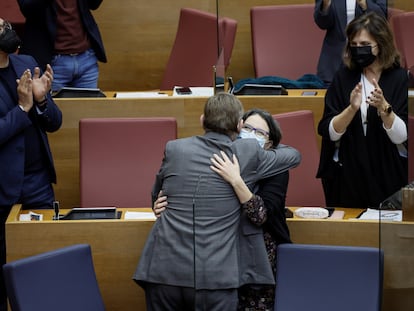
[(379, 29), (275, 134)]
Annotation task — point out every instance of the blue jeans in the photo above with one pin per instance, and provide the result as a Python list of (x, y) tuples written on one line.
[(77, 70)]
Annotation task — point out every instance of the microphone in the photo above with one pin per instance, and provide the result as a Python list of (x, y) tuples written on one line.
[(56, 209), (218, 29)]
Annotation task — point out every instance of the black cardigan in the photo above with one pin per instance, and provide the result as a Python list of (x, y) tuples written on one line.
[(370, 167)]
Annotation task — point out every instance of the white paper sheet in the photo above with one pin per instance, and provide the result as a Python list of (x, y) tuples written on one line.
[(197, 91), (140, 94), (374, 214), (139, 215)]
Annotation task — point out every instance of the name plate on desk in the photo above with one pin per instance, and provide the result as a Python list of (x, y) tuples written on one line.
[(84, 213)]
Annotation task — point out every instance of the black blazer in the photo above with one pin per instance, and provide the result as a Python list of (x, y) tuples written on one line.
[(13, 121), (40, 28), (370, 167)]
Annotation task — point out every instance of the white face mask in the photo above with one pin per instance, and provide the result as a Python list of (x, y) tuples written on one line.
[(245, 134)]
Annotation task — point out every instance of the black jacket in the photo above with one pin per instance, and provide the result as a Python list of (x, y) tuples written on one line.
[(370, 167)]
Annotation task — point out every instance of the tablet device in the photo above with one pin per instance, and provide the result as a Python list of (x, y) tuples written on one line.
[(85, 213), (260, 89), (74, 92)]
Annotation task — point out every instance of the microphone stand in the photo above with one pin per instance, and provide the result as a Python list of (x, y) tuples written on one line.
[(218, 29)]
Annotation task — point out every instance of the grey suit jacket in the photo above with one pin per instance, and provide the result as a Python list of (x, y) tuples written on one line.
[(196, 241), (334, 22)]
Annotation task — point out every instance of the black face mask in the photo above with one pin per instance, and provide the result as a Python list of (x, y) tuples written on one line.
[(9, 41), (362, 55)]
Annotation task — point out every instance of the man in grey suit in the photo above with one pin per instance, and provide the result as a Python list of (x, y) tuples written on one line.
[(192, 258)]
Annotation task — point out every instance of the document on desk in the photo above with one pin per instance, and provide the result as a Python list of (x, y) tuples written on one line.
[(196, 91), (140, 94), (139, 215), (374, 214), (31, 216)]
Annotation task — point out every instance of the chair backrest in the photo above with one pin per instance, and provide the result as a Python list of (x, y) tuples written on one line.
[(280, 36), (298, 131), (410, 148), (62, 279), (326, 278), (229, 37), (391, 12), (195, 50), (10, 11), (119, 158), (402, 23)]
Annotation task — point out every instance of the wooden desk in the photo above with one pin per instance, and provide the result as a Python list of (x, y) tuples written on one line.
[(117, 245), (187, 110)]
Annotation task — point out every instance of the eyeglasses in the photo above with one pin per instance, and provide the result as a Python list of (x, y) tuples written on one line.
[(5, 25), (258, 132)]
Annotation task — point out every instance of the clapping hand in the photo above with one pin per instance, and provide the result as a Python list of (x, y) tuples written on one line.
[(42, 83), (356, 97), (24, 90), (376, 98)]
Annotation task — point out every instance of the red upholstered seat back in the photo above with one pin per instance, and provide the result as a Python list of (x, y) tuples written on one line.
[(391, 12), (119, 158), (195, 49), (10, 11), (402, 25), (298, 131), (410, 148), (285, 39)]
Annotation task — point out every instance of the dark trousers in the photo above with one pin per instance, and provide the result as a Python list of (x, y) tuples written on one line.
[(172, 298)]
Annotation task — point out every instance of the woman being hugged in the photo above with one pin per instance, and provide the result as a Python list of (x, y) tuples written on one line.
[(264, 210), (364, 124)]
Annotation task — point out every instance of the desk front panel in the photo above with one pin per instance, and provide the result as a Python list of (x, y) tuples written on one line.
[(187, 110), (117, 246)]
